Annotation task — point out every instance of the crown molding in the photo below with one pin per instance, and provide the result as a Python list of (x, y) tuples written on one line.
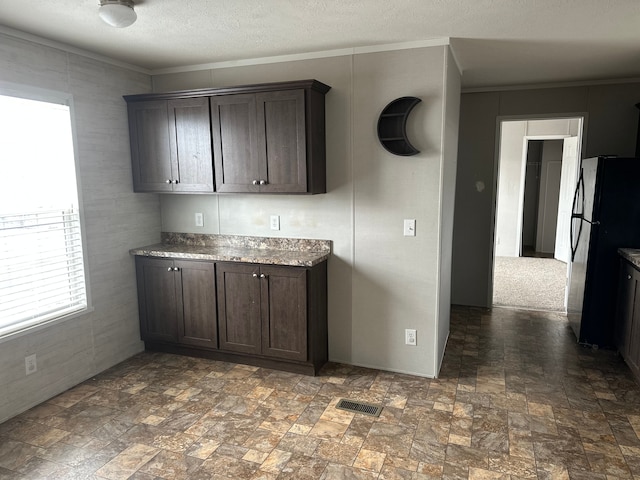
[(70, 49), (305, 56), (533, 86)]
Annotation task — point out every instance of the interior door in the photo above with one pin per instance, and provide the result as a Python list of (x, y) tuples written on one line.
[(548, 206), (568, 178)]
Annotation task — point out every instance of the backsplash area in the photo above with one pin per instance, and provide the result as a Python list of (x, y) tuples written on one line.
[(213, 240)]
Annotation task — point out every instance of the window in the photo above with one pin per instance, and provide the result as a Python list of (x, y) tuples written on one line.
[(42, 277)]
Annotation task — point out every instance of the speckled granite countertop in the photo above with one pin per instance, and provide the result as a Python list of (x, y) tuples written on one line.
[(298, 252), (632, 255)]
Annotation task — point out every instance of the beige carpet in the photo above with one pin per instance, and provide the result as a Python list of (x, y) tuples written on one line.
[(531, 283)]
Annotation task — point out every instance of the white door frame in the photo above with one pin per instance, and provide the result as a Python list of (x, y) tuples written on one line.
[(582, 135)]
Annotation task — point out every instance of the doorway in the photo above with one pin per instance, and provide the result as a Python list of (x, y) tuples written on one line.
[(537, 170)]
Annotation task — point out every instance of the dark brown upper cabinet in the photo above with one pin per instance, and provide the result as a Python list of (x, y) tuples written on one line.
[(171, 145), (233, 121), (259, 142), (267, 138)]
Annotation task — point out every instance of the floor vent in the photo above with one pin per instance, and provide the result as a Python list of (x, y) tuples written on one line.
[(359, 407)]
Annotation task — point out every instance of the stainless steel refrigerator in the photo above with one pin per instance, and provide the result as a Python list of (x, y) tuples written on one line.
[(605, 217)]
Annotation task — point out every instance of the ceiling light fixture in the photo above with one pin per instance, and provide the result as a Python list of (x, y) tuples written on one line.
[(117, 13)]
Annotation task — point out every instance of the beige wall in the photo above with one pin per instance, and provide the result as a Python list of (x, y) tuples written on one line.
[(610, 128), (116, 220), (380, 282)]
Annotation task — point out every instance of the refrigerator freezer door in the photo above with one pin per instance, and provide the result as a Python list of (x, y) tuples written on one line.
[(589, 175)]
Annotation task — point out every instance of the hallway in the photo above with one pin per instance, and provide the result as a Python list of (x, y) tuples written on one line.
[(517, 398), (531, 283)]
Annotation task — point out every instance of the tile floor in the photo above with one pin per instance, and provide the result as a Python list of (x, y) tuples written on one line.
[(517, 398)]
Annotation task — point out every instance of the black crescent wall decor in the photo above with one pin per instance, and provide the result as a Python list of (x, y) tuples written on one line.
[(392, 126)]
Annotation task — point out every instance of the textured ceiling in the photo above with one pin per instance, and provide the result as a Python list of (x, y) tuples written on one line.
[(497, 42)]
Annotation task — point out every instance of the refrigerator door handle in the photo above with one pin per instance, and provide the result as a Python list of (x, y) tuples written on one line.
[(574, 241), (579, 215)]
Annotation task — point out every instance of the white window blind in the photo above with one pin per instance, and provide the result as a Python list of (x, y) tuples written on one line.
[(42, 276)]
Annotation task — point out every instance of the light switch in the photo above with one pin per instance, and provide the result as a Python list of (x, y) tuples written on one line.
[(275, 222), (199, 220), (409, 227)]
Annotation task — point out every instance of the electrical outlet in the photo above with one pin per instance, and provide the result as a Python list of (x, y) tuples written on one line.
[(409, 227), (275, 222), (30, 364), (199, 218), (410, 337)]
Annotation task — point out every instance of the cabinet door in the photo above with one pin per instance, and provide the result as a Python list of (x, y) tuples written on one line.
[(198, 323), (239, 307), (282, 141), (233, 124), (150, 150), (190, 140), (624, 310), (633, 338), (159, 306), (284, 312)]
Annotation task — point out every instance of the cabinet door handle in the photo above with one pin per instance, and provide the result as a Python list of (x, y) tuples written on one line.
[(176, 182), (255, 182), (169, 269), (168, 180), (628, 277), (255, 275), (176, 269), (262, 275), (263, 182)]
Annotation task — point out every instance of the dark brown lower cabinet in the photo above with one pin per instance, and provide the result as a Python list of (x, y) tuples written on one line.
[(264, 315), (239, 294), (177, 301), (283, 293), (628, 316), (276, 312)]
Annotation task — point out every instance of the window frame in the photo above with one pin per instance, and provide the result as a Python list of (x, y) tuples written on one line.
[(60, 98)]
